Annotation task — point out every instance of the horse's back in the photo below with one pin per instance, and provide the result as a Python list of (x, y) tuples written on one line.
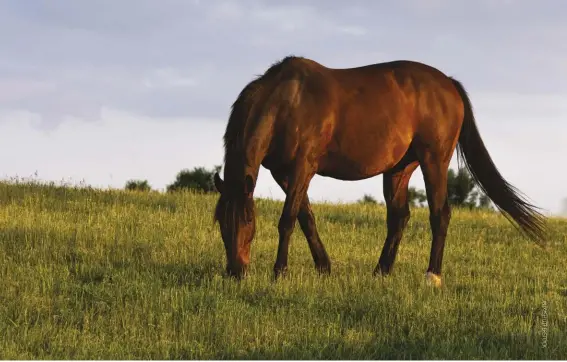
[(378, 110), (362, 120)]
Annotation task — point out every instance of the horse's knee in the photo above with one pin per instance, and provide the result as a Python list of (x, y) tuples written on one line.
[(307, 222), (399, 215), (441, 217), (286, 224), (445, 215), (404, 214)]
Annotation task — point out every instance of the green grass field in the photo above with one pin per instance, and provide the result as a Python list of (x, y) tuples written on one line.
[(91, 274)]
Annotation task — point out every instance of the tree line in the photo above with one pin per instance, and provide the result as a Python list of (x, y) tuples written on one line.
[(461, 191), (461, 188), (198, 179)]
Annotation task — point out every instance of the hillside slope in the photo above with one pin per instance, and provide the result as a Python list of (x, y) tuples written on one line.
[(88, 274)]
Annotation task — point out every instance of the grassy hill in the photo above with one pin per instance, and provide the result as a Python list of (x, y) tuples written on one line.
[(91, 274)]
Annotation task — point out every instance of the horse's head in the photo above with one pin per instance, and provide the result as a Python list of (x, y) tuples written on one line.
[(235, 213)]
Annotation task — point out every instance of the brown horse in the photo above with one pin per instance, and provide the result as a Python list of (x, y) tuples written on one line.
[(301, 118)]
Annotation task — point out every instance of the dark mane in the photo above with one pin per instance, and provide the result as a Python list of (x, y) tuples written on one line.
[(243, 114), (243, 110), (234, 133)]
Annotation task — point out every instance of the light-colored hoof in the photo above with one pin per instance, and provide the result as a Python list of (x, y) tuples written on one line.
[(433, 279)]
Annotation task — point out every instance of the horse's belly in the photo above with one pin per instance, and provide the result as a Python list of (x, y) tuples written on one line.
[(361, 160)]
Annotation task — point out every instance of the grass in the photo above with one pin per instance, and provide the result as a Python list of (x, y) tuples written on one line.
[(98, 274)]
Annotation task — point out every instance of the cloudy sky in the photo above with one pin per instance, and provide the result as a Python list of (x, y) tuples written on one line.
[(105, 91)]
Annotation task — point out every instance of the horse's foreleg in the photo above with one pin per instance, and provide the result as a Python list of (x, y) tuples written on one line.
[(307, 222), (298, 182)]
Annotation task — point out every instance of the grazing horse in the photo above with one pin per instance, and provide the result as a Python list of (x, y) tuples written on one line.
[(301, 118)]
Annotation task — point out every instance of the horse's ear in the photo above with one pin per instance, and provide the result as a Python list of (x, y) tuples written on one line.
[(219, 183), (248, 185)]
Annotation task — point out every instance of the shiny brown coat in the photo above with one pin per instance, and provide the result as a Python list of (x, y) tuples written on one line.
[(301, 118)]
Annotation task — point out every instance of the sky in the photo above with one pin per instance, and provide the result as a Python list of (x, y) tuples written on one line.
[(105, 91)]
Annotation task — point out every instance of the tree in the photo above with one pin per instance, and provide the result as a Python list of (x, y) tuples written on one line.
[(368, 199), (461, 192), (138, 185), (460, 184), (198, 179), (484, 201), (416, 197)]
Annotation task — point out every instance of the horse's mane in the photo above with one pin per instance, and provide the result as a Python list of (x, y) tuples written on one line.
[(243, 115), (244, 110), (240, 111)]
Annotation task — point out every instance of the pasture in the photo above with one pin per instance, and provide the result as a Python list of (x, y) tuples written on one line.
[(100, 274)]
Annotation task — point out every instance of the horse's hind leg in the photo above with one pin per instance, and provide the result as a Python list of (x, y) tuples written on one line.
[(434, 170), (398, 214), (307, 222)]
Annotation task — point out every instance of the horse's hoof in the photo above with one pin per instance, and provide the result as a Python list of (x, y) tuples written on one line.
[(323, 269), (280, 272), (380, 271), (433, 279), (241, 275)]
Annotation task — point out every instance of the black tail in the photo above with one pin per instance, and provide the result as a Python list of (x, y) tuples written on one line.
[(481, 167)]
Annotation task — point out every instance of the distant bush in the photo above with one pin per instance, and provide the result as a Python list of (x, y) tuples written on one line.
[(416, 197), (198, 179), (367, 199), (138, 185)]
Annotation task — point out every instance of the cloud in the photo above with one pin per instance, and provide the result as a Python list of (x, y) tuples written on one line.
[(175, 59), (13, 90), (190, 59), (109, 151), (352, 30), (175, 66), (169, 78), (121, 145)]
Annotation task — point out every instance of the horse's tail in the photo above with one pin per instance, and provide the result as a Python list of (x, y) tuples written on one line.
[(507, 198)]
